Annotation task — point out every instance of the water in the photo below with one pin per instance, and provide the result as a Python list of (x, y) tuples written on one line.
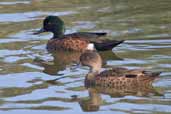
[(27, 70)]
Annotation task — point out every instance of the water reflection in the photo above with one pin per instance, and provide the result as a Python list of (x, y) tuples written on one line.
[(28, 16), (63, 59), (16, 91), (94, 101), (15, 2)]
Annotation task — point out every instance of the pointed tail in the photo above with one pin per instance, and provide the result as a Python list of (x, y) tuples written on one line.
[(156, 74), (152, 74), (107, 45)]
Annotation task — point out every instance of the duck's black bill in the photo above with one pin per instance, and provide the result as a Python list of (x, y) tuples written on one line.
[(39, 31)]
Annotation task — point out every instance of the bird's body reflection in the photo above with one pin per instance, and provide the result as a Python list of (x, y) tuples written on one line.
[(62, 59), (94, 101)]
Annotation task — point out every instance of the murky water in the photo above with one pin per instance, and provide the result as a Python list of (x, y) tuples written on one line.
[(27, 70)]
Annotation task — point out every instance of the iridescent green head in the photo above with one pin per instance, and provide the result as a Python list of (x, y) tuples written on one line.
[(53, 24)]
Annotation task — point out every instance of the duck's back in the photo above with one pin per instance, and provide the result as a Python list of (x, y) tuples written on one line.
[(73, 42), (70, 42), (80, 40), (122, 77)]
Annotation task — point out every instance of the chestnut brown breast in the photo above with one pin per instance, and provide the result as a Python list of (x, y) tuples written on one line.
[(68, 43)]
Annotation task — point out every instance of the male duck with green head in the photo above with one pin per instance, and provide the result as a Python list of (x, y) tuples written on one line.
[(79, 41)]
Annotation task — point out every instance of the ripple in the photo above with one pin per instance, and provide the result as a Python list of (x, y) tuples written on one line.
[(160, 57), (163, 83), (28, 16), (129, 31), (13, 59), (126, 62), (11, 40), (27, 35), (146, 45), (16, 2), (46, 93), (141, 107), (157, 35), (104, 10), (5, 52), (20, 79), (165, 65), (84, 25), (33, 66), (129, 47), (159, 41), (39, 47)]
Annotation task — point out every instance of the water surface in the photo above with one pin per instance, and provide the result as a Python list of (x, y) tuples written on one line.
[(27, 70)]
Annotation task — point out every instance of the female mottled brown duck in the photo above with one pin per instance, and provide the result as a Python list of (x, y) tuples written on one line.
[(76, 41), (115, 77)]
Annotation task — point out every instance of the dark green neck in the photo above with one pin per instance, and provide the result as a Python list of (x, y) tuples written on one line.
[(58, 32)]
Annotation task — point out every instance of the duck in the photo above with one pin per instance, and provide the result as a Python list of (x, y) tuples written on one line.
[(78, 41), (116, 76)]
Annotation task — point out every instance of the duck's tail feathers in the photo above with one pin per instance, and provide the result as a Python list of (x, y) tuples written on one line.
[(155, 74), (107, 45), (151, 76)]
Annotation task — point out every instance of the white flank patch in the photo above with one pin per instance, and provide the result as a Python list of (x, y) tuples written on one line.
[(90, 46)]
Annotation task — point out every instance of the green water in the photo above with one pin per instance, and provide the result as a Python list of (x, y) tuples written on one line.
[(27, 70)]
